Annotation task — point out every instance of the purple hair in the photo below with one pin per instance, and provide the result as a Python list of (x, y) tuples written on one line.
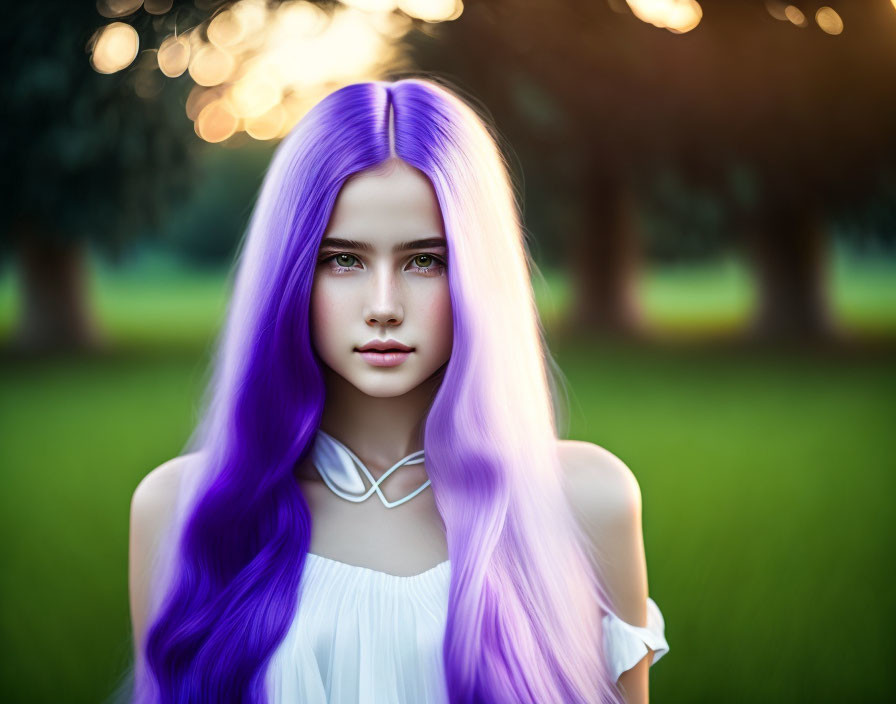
[(525, 602)]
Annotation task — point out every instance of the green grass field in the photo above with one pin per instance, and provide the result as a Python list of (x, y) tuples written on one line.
[(767, 480)]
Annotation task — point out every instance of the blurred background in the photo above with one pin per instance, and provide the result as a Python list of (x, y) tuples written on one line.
[(709, 193)]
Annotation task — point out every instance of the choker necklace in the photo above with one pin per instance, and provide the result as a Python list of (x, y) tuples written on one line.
[(338, 466)]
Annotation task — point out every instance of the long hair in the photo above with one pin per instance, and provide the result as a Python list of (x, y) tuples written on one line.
[(525, 602)]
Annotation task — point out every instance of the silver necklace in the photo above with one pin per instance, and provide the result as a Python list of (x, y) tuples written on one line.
[(339, 467)]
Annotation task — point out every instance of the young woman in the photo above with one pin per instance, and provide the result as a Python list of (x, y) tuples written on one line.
[(375, 506)]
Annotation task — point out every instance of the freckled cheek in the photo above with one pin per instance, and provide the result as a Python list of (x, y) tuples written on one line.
[(327, 312), (436, 311)]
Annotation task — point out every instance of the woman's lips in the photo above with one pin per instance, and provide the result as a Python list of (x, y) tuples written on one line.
[(392, 358)]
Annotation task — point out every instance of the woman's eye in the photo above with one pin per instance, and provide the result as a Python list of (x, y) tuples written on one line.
[(344, 259), (427, 262)]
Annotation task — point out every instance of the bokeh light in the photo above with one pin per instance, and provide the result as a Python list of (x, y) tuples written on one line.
[(115, 48), (118, 8), (828, 20), (254, 94), (210, 66), (776, 9), (432, 10), (199, 97), (217, 121), (226, 29), (677, 16), (157, 7), (174, 56), (372, 5), (287, 54), (796, 16), (268, 125)]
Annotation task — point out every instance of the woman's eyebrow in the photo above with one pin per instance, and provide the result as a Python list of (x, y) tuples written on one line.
[(429, 243)]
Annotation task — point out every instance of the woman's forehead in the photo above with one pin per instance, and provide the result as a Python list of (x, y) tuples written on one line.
[(385, 209)]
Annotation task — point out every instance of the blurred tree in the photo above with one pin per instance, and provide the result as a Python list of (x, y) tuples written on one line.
[(91, 158), (206, 231), (775, 120), (759, 116), (808, 118), (869, 225)]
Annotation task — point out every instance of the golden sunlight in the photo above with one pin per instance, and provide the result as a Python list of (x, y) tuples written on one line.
[(259, 67)]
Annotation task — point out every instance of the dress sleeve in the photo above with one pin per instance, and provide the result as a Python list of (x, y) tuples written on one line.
[(626, 644)]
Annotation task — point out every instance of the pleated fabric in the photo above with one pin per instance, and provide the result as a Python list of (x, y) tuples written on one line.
[(361, 636)]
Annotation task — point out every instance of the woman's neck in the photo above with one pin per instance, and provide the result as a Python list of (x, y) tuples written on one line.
[(380, 431)]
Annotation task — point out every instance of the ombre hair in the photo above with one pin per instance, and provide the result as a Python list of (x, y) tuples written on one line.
[(525, 600)]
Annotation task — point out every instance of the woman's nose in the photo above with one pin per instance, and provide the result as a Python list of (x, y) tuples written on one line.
[(384, 302)]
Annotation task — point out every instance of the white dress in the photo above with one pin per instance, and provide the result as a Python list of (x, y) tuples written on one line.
[(366, 637)]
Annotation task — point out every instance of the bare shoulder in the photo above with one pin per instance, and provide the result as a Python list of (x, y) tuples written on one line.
[(156, 491), (153, 506), (155, 498), (606, 498), (600, 485)]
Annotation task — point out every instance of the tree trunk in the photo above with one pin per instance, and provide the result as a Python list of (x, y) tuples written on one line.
[(604, 263), (790, 252), (55, 307)]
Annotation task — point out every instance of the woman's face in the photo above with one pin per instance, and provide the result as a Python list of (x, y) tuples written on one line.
[(381, 276)]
